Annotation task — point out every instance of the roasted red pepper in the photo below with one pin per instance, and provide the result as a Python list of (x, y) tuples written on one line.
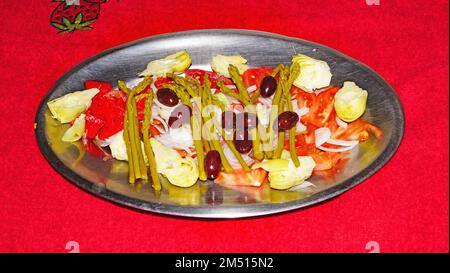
[(102, 86), (162, 80), (105, 116)]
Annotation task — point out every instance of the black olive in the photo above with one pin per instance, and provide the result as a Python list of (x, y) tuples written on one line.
[(167, 97), (268, 86), (287, 120), (242, 142), (213, 164)]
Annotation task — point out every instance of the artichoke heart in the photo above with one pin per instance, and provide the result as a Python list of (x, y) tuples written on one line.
[(283, 174), (76, 131), (350, 102), (69, 106), (182, 172), (177, 62), (185, 174), (220, 63), (118, 148), (314, 74)]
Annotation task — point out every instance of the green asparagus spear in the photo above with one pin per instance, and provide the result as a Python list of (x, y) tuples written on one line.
[(212, 132), (281, 134), (245, 99), (275, 105), (293, 74), (196, 127), (237, 79), (131, 137), (147, 146)]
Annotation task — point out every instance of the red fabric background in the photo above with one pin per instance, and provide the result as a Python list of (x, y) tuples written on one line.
[(404, 206)]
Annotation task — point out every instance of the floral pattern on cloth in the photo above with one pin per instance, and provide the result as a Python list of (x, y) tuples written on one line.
[(71, 15)]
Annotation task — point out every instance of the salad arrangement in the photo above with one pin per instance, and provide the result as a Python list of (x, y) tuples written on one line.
[(236, 125)]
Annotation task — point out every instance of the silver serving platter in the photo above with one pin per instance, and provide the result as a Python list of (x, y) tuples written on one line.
[(108, 179)]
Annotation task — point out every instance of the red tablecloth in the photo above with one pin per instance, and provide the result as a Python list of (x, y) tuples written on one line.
[(403, 207)]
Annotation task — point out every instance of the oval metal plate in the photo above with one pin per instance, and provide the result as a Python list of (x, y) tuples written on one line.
[(208, 200)]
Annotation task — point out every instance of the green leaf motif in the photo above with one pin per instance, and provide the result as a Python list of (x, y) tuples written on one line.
[(59, 26), (67, 22), (84, 28), (86, 23), (79, 18)]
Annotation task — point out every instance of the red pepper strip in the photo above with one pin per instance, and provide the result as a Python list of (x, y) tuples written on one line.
[(102, 86), (198, 74), (162, 80), (93, 125), (104, 117), (91, 147)]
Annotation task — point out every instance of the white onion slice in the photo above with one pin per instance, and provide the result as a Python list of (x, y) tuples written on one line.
[(263, 113), (232, 99), (234, 162), (179, 138), (251, 88), (341, 123), (152, 85), (266, 101), (336, 150), (300, 127), (302, 111), (155, 109), (231, 86), (163, 122), (191, 153), (160, 129), (346, 143), (213, 90), (132, 83), (322, 135)]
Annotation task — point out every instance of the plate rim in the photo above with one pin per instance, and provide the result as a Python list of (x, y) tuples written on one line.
[(212, 212)]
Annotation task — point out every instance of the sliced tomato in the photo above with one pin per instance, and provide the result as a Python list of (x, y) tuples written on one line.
[(301, 146), (254, 76), (242, 178), (199, 74), (357, 130), (162, 80), (183, 153), (321, 107), (154, 131), (322, 114), (305, 146), (102, 86), (330, 174), (325, 160), (304, 141)]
